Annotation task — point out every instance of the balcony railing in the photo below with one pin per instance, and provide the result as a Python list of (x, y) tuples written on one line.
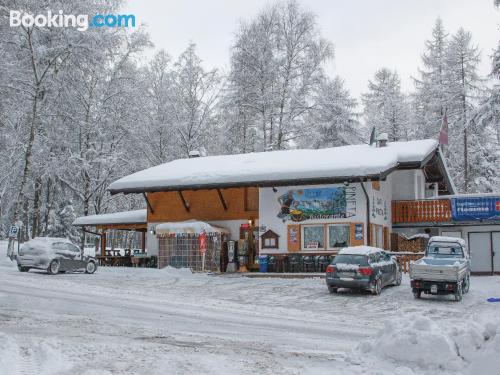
[(423, 211)]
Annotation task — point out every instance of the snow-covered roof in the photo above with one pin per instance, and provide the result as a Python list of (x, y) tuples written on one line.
[(359, 250), (447, 239), (124, 217), (189, 226), (277, 167)]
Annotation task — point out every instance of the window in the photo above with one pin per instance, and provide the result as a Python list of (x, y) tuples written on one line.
[(338, 235), (73, 248), (313, 237), (270, 240)]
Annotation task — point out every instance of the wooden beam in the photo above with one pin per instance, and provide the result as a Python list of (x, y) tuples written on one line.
[(222, 200), (186, 204), (149, 204)]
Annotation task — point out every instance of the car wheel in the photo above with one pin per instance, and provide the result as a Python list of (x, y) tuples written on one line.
[(458, 293), (22, 269), (467, 284), (332, 289), (53, 267), (399, 277), (377, 287), (417, 294), (90, 268)]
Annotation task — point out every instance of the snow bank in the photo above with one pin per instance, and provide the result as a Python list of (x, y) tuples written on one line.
[(467, 346), (9, 355)]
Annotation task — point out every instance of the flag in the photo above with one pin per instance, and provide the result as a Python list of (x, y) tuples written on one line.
[(443, 133), (372, 136)]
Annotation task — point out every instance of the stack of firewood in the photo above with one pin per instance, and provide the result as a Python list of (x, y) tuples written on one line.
[(414, 245)]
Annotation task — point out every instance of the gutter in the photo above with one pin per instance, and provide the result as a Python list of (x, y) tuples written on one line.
[(265, 183), (368, 231)]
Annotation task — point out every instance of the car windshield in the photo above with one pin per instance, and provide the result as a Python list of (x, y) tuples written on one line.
[(360, 260), (440, 250)]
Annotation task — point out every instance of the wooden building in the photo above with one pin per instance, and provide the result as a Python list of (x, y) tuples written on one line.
[(314, 201)]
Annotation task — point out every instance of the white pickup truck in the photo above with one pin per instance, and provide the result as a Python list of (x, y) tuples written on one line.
[(445, 268)]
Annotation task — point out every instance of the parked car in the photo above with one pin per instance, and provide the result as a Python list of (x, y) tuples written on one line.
[(54, 255), (445, 268), (363, 267)]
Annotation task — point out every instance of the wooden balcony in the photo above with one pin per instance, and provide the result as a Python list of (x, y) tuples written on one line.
[(421, 211)]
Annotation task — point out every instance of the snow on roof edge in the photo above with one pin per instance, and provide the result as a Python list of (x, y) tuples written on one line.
[(122, 217)]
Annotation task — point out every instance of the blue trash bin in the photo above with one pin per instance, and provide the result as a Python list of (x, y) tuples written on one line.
[(263, 263)]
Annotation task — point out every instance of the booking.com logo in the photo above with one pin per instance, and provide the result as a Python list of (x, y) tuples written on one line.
[(81, 21)]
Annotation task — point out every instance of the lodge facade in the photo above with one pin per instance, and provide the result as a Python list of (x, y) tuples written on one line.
[(307, 202)]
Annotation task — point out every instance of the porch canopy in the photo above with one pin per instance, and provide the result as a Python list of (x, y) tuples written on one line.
[(135, 220), (290, 167), (132, 220)]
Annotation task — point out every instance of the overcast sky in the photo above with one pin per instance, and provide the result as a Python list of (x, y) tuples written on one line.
[(367, 34)]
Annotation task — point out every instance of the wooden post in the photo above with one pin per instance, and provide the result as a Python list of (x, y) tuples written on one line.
[(143, 243), (103, 243)]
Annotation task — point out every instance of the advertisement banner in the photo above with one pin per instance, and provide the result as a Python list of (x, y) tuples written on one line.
[(475, 208)]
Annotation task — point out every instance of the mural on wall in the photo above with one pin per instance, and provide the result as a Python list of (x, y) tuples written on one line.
[(322, 203)]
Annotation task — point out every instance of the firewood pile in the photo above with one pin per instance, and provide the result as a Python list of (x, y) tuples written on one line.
[(413, 244)]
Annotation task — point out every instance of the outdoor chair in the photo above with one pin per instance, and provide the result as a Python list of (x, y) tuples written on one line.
[(296, 263), (272, 264), (308, 264)]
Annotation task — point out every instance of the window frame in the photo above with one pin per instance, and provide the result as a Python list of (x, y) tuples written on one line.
[(302, 237), (328, 225)]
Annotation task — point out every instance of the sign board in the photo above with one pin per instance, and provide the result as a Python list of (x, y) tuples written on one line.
[(14, 231), (358, 231), (203, 242), (475, 208), (314, 245)]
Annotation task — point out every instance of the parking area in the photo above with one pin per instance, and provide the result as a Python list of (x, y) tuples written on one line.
[(125, 320)]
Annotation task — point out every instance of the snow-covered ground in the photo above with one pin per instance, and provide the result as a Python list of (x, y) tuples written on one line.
[(146, 321)]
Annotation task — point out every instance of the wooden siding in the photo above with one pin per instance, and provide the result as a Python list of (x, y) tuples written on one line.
[(421, 211), (241, 203)]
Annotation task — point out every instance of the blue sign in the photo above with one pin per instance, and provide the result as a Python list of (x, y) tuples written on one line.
[(475, 208)]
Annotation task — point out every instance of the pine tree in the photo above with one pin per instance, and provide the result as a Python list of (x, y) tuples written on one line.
[(430, 99), (385, 107), (462, 59)]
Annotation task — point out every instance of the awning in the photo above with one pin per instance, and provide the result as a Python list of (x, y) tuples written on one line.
[(189, 226)]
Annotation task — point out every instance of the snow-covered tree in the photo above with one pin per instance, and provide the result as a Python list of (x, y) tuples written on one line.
[(333, 121), (276, 67), (430, 99), (462, 58), (385, 107)]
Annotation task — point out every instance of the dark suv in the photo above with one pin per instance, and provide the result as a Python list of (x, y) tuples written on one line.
[(362, 267)]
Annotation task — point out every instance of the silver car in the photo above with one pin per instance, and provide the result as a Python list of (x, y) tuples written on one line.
[(53, 255)]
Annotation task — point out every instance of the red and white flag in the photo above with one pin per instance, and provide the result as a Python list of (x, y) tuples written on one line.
[(443, 134)]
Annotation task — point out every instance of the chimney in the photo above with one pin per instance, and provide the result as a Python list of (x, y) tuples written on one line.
[(382, 140)]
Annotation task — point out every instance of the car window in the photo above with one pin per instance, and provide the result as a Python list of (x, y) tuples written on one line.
[(59, 246), (360, 260), (73, 248)]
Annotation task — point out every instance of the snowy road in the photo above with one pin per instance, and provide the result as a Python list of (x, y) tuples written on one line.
[(145, 321)]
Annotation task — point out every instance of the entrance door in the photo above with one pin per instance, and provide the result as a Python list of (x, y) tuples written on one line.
[(480, 251), (495, 238)]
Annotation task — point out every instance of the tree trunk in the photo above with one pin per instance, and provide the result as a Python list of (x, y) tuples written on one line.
[(35, 230)]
